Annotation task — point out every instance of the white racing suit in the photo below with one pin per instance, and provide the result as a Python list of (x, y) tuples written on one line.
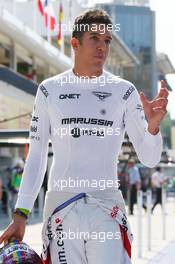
[(86, 228), (86, 122)]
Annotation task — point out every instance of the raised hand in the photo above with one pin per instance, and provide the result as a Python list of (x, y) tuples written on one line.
[(156, 109)]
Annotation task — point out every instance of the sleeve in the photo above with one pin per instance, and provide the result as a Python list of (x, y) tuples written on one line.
[(147, 146), (35, 166)]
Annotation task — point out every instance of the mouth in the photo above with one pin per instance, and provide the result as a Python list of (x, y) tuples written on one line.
[(100, 57)]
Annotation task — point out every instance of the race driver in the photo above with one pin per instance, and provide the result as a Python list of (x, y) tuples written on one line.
[(85, 112)]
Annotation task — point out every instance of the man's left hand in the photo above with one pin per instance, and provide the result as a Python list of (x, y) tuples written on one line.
[(156, 109)]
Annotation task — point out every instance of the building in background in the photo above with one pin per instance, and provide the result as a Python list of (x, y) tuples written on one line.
[(164, 67), (137, 30), (137, 23), (26, 48)]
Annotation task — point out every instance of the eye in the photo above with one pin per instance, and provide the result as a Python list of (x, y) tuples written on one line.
[(94, 37), (108, 41)]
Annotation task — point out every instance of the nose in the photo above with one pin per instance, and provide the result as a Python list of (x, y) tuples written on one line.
[(101, 45)]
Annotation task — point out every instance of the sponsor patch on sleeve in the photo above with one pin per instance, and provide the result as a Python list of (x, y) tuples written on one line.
[(128, 93), (44, 90)]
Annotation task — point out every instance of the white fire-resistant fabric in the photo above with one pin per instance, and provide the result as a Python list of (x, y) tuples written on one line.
[(87, 230), (93, 114)]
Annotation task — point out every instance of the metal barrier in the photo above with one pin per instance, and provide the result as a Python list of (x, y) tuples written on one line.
[(149, 216), (149, 206), (163, 213), (139, 206)]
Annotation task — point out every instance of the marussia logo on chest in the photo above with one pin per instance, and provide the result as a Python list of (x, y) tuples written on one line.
[(102, 95)]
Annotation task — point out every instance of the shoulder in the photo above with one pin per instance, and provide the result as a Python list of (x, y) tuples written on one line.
[(125, 87), (117, 80), (56, 78), (48, 85)]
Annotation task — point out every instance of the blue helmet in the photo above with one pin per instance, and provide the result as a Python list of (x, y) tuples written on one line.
[(18, 253)]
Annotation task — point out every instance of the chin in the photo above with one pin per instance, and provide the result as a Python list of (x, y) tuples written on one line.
[(99, 65)]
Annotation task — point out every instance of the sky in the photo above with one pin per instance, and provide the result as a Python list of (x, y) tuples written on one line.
[(165, 24)]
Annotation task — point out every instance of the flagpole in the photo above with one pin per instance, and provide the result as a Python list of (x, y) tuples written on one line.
[(70, 11), (70, 21), (35, 15), (49, 29), (62, 32), (62, 42), (14, 7)]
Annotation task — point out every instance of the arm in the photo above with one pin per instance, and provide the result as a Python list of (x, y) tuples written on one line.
[(36, 162)]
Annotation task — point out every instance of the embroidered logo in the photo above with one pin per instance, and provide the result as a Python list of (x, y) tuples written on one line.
[(101, 95), (114, 211), (44, 91)]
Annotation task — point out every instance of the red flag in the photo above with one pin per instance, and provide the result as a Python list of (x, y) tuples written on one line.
[(52, 21), (49, 13), (40, 7)]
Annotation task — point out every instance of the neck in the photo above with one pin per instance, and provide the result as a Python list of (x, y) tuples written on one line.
[(86, 72)]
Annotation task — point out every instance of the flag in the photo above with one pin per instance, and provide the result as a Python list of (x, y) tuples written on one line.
[(40, 7), (61, 13), (60, 20), (49, 13)]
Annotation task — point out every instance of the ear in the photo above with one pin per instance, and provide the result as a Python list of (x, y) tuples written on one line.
[(74, 43)]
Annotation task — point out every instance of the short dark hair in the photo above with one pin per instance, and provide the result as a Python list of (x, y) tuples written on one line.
[(89, 17)]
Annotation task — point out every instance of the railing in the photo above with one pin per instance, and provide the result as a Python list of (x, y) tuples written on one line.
[(149, 219)]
